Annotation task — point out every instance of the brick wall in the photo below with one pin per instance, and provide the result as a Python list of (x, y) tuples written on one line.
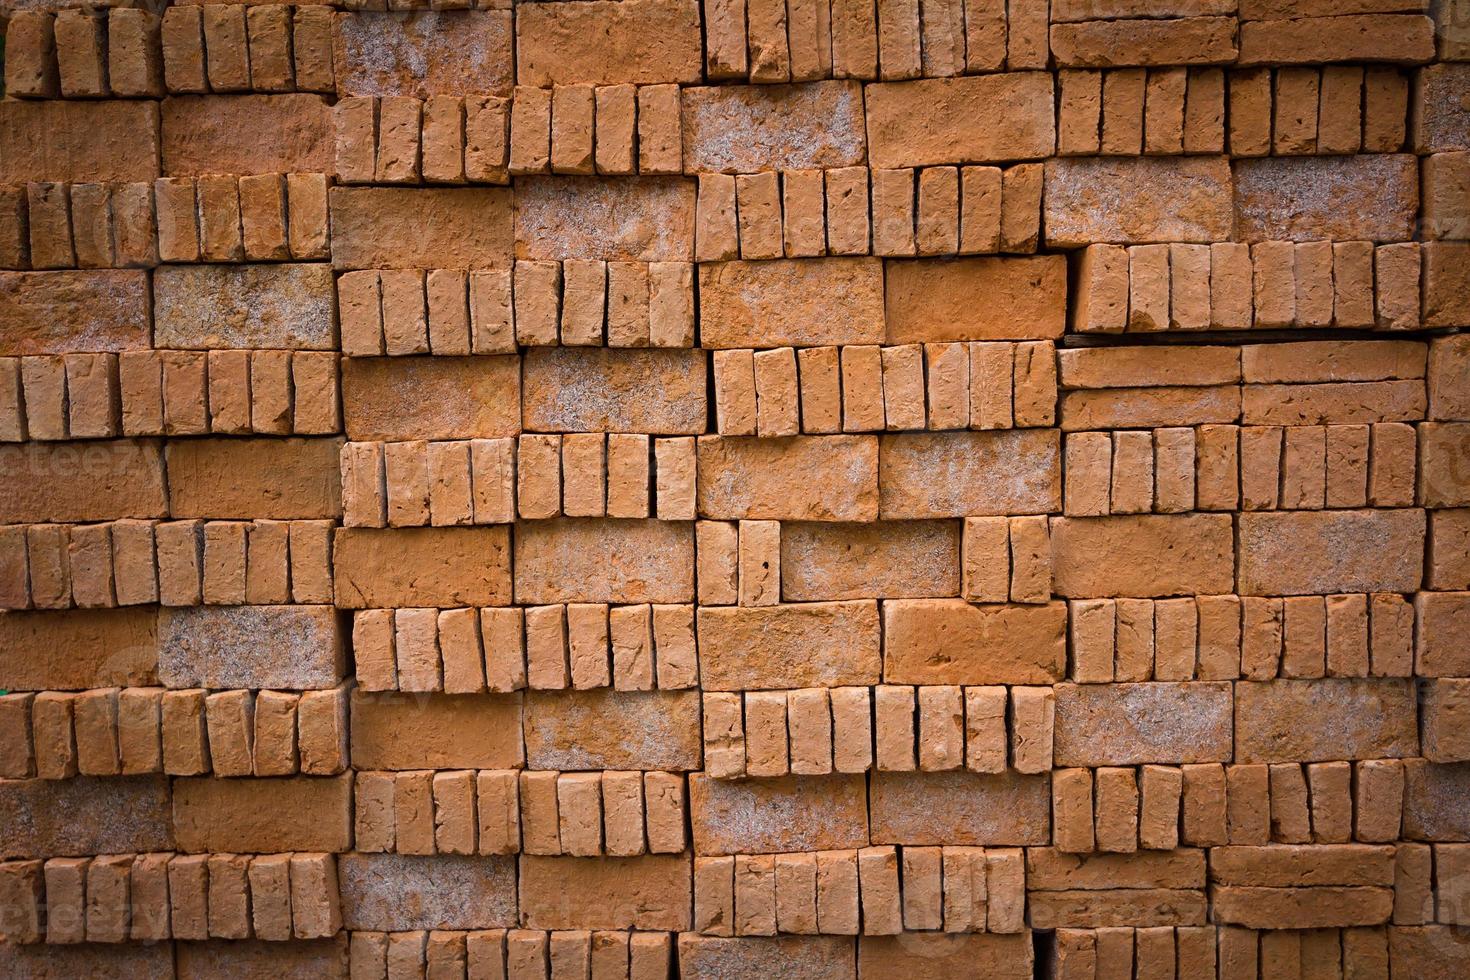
[(735, 488)]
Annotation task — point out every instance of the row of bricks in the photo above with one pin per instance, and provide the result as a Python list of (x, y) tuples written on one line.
[(168, 392), (516, 954), (871, 891), (1221, 467), (1002, 559), (258, 218), (888, 728), (1105, 953), (856, 729), (1234, 286), (773, 41), (507, 811), (569, 129), (533, 477), (861, 388), (1097, 366), (173, 563), (579, 302), (1231, 637), (804, 213), (547, 648), (138, 730), (1132, 111), (115, 898), (131, 52), (1229, 953), (1274, 887), (1332, 403), (1126, 809)]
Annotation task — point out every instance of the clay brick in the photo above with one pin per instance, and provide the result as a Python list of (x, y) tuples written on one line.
[(959, 808), (1305, 534), (1085, 736), (923, 299), (31, 70), (1185, 200), (846, 631), (377, 403), (1273, 726), (1316, 39), (1203, 566), (614, 391), (435, 53), (467, 228), (906, 461), (1185, 40), (841, 561), (918, 125), (771, 303)]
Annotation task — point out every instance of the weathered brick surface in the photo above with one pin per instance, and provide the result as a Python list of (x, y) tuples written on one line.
[(750, 129), (245, 134), (393, 398), (65, 312), (600, 390), (395, 892), (431, 53), (735, 488), (273, 306), (85, 816), (607, 730)]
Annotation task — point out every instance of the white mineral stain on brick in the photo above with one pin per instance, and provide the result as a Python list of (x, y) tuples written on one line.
[(745, 129)]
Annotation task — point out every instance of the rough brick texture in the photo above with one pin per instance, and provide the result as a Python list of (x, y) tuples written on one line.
[(625, 489)]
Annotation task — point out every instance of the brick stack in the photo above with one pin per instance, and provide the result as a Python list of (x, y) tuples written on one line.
[(735, 488)]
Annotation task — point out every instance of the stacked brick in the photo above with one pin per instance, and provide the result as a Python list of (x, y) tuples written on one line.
[(650, 488)]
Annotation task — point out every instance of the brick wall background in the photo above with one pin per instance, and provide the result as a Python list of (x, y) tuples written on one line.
[(735, 488)]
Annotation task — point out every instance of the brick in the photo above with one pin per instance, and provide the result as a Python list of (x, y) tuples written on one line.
[(1266, 189), (931, 641), (443, 52), (743, 304), (207, 134), (401, 892), (73, 311), (1185, 40), (385, 227), (614, 387), (849, 561), (787, 814), (1089, 729), (80, 141), (917, 125), (1095, 199), (648, 892), (959, 808), (556, 46), (1201, 546), (789, 480), (847, 632), (921, 303), (1292, 719), (289, 306), (294, 478), (663, 718), (1004, 472), (745, 129), (379, 720), (1319, 564), (376, 404), (1316, 39), (554, 219), (32, 68)]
